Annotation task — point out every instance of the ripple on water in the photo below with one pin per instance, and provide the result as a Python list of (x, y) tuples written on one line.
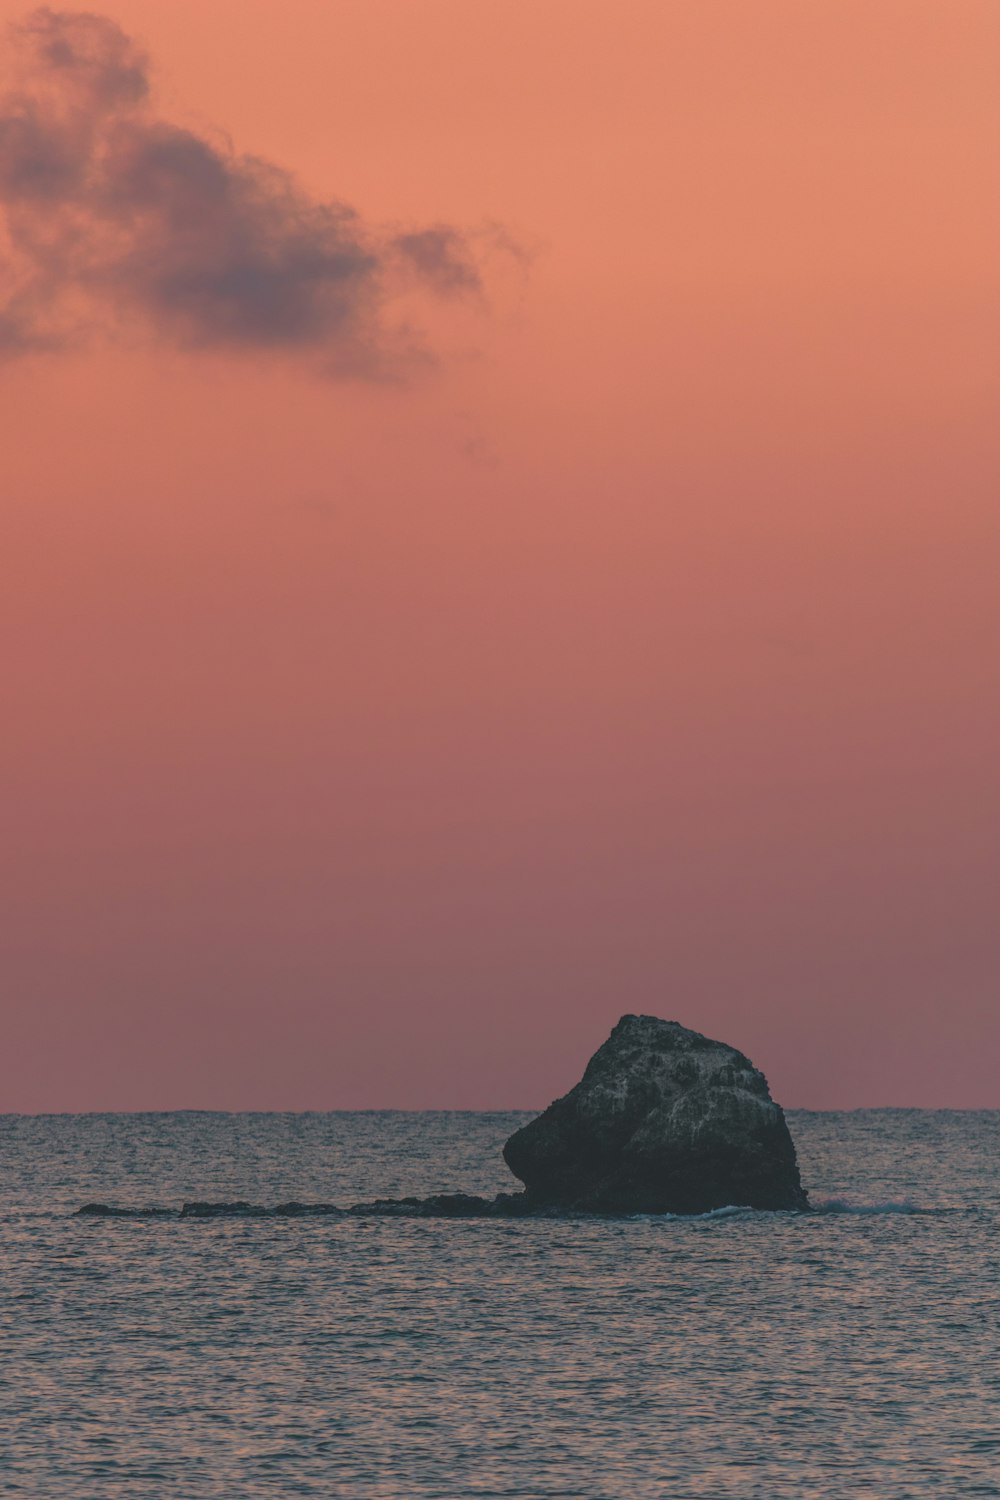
[(846, 1352)]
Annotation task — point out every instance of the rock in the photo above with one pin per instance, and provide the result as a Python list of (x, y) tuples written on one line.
[(438, 1206), (447, 1206), (238, 1210), (113, 1211), (664, 1120)]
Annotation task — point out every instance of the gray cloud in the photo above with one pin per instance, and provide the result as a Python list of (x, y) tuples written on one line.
[(115, 218), (440, 255)]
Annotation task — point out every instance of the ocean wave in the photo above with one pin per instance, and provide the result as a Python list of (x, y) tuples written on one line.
[(730, 1211), (842, 1206)]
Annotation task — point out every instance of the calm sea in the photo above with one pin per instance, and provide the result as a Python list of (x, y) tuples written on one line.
[(851, 1352)]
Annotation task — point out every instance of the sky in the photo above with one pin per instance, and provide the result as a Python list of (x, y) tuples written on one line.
[(500, 529)]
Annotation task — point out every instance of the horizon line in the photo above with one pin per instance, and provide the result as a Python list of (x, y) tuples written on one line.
[(397, 1109)]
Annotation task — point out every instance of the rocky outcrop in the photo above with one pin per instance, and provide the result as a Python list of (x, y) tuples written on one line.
[(446, 1206), (663, 1121)]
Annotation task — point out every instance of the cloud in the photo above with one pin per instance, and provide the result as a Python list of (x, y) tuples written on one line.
[(117, 220), (441, 256)]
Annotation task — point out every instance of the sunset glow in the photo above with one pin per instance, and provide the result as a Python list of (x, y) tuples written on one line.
[(568, 588)]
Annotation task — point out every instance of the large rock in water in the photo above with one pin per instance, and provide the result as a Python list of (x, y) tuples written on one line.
[(663, 1121)]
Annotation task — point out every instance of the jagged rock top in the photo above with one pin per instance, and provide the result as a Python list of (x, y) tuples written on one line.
[(664, 1120)]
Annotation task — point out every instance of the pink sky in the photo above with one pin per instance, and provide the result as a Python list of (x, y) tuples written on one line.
[(628, 640)]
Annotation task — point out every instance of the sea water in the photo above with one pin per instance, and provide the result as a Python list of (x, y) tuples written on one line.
[(849, 1352)]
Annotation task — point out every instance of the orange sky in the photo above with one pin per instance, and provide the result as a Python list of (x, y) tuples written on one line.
[(378, 742)]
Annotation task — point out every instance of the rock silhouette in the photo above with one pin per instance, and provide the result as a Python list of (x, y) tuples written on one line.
[(664, 1120)]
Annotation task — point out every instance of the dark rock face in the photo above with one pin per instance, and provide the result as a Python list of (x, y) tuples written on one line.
[(663, 1121), (446, 1206)]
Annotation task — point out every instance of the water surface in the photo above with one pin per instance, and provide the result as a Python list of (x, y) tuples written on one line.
[(849, 1352)]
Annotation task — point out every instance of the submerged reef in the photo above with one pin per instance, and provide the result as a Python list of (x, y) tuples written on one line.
[(438, 1206), (663, 1121)]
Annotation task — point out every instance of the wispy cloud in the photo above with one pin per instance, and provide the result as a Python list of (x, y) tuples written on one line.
[(115, 218)]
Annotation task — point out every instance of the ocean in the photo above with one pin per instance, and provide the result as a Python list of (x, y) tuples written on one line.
[(850, 1352)]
